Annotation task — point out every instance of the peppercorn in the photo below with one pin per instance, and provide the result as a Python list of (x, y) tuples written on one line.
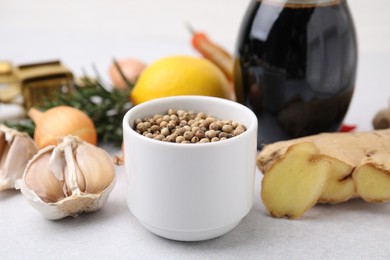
[(149, 135), (213, 126), (180, 139), (210, 134), (166, 118), (171, 112), (214, 139), (227, 128), (195, 139), (159, 137), (204, 140), (188, 135), (222, 134), (154, 128), (171, 126), (180, 112), (165, 131), (163, 124), (200, 134), (141, 127), (202, 115), (238, 131), (174, 118)]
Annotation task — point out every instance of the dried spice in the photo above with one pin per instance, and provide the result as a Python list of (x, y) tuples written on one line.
[(187, 127)]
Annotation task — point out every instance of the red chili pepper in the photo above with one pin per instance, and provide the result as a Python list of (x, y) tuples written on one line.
[(213, 52), (347, 128)]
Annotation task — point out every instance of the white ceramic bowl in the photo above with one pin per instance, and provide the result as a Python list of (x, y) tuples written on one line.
[(190, 192)]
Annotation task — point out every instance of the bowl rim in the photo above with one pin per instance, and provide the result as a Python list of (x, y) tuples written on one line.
[(252, 127)]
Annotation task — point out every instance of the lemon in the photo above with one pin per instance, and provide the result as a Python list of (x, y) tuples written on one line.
[(180, 75)]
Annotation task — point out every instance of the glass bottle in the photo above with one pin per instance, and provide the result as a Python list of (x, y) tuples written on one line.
[(295, 66)]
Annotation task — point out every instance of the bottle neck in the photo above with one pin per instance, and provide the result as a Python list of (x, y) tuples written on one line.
[(300, 3)]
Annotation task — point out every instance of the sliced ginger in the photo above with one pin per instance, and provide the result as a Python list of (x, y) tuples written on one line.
[(295, 182), (359, 167), (341, 186), (372, 183)]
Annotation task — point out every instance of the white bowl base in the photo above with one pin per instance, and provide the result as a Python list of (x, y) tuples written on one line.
[(191, 235)]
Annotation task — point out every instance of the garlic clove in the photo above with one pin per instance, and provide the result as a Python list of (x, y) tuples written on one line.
[(80, 179), (16, 149), (60, 167), (40, 178), (96, 173), (77, 178)]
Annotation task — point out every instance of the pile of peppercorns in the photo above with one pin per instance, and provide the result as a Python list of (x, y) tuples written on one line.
[(187, 127)]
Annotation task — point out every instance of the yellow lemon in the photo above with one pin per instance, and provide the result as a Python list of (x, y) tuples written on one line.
[(180, 75)]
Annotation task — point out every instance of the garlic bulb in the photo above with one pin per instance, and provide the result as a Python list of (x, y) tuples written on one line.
[(68, 179), (16, 148)]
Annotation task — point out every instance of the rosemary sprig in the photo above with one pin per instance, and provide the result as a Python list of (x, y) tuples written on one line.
[(105, 107), (23, 125)]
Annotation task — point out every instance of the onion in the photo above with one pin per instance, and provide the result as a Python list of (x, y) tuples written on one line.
[(61, 121), (130, 67)]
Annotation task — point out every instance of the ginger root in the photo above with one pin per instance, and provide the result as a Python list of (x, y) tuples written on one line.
[(359, 167)]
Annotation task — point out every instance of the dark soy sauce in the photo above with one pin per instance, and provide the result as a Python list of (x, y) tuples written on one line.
[(295, 66)]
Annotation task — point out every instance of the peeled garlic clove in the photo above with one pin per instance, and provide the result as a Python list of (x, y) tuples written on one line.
[(16, 149), (69, 179)]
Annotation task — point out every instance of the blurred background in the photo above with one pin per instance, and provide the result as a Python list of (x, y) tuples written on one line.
[(85, 32), (82, 33)]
